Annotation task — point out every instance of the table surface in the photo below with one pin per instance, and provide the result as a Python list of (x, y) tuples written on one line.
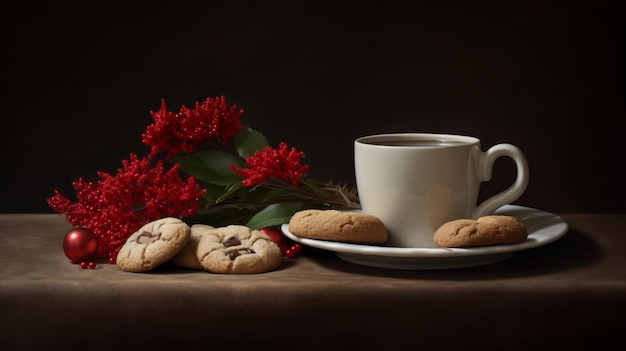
[(568, 293)]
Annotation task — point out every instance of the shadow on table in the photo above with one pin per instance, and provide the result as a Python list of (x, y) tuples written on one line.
[(574, 250)]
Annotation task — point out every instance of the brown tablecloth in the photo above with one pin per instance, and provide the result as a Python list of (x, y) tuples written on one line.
[(569, 294)]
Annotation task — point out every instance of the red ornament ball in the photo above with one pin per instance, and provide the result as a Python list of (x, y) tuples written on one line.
[(80, 244)]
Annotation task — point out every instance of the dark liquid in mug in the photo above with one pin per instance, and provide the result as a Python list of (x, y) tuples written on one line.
[(416, 143)]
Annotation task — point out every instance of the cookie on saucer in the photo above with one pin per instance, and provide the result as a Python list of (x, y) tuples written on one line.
[(487, 230), (334, 225), (153, 244), (238, 249)]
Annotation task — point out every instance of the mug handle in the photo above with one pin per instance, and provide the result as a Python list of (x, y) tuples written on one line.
[(486, 161)]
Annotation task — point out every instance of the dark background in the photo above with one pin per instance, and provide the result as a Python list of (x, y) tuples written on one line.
[(79, 81)]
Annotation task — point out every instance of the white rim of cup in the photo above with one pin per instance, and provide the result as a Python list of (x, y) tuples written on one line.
[(463, 139)]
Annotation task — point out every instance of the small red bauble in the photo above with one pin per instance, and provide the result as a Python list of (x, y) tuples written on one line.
[(80, 244)]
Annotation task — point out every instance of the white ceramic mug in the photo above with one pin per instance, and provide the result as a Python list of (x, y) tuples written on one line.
[(415, 182)]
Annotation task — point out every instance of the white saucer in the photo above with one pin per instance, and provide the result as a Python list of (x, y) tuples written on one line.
[(543, 228)]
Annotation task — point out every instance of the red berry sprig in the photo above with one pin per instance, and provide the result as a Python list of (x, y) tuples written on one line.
[(293, 250), (87, 264)]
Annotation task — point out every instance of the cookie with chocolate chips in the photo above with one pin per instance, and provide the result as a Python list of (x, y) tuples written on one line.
[(238, 249), (153, 244)]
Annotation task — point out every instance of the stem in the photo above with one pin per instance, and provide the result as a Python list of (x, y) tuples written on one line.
[(310, 193)]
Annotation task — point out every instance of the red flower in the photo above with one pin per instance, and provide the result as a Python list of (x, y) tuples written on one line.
[(118, 205), (188, 129), (280, 163)]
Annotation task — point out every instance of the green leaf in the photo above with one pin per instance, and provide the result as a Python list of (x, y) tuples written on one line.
[(249, 141), (261, 194), (213, 193), (256, 194), (232, 189), (273, 215), (212, 167)]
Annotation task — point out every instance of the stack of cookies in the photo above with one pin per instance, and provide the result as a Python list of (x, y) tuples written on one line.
[(231, 249)]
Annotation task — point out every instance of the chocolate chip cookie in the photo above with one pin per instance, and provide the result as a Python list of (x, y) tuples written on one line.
[(153, 244), (238, 249)]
